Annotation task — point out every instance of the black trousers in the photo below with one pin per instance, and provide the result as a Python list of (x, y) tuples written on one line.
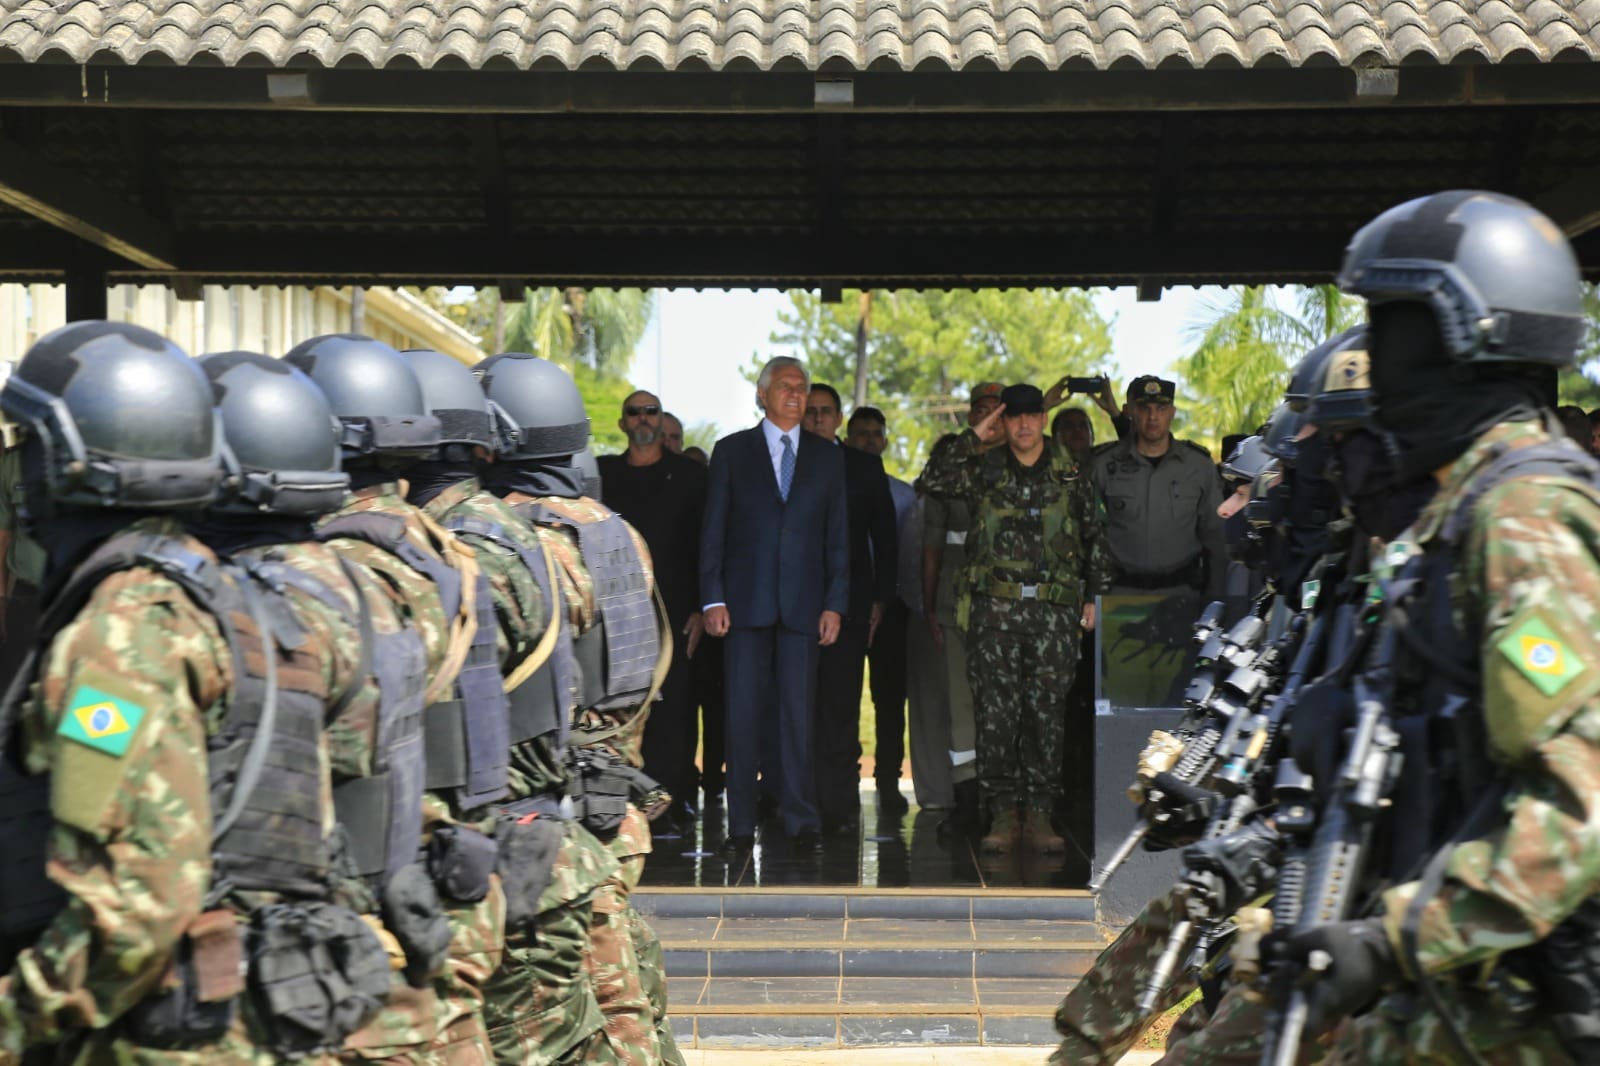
[(711, 696), (670, 734), (771, 679), (888, 679), (841, 666), (22, 627)]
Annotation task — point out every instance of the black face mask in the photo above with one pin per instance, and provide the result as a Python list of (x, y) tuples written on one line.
[(1430, 406), (1383, 505)]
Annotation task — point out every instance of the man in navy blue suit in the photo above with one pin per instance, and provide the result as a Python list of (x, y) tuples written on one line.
[(775, 578)]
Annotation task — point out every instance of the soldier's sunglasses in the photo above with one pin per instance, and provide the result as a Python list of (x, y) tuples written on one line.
[(647, 409)]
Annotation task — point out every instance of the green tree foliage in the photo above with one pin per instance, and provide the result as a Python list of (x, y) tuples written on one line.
[(598, 328), (926, 349), (1244, 347), (1582, 384)]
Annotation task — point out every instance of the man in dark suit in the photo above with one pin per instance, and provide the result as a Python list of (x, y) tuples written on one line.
[(775, 578), (870, 510)]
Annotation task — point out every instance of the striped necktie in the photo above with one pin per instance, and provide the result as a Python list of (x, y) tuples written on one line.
[(786, 468)]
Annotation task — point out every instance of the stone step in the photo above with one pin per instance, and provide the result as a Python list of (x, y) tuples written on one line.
[(845, 969)]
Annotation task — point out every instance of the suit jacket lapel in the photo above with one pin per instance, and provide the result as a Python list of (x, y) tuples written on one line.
[(769, 476)]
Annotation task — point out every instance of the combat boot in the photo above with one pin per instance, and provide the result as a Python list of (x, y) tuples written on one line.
[(1037, 833), (1002, 835)]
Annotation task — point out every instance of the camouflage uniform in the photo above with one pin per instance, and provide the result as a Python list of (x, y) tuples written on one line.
[(441, 1024), (132, 842), (541, 1005), (1024, 645), (945, 524), (1529, 571), (636, 1023)]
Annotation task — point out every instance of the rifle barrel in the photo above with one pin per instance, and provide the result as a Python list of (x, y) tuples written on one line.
[(1120, 856)]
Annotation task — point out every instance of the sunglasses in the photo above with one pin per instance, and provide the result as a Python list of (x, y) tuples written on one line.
[(647, 409)]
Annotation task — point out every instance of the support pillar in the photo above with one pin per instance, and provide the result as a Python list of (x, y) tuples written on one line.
[(86, 291)]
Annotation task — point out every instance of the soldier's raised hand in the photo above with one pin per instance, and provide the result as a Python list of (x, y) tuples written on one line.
[(989, 429)]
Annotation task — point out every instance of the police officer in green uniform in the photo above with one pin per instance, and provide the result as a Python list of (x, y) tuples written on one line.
[(1161, 497), (944, 555), (1036, 558)]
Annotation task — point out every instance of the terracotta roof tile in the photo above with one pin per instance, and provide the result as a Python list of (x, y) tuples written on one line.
[(844, 34)]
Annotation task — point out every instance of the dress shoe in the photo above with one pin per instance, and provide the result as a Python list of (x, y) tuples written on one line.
[(890, 801), (807, 840), (738, 843), (838, 827)]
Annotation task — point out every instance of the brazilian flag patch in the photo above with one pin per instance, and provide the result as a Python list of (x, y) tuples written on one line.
[(101, 721), (1534, 649)]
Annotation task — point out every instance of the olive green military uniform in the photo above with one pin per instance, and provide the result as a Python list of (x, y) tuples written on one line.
[(946, 522), (540, 1002), (625, 959), (1036, 555), (1161, 515), (442, 1023), (119, 716)]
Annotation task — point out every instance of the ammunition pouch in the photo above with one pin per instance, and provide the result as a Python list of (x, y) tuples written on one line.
[(413, 912), (200, 999), (601, 787), (460, 861), (28, 898), (1567, 974), (528, 837), (317, 974)]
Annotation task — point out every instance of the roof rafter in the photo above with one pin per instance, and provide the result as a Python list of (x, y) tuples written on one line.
[(56, 195)]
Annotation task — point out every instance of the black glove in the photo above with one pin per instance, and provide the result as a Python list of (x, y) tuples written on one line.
[(1317, 724), (1363, 964), (1244, 863), (1180, 816)]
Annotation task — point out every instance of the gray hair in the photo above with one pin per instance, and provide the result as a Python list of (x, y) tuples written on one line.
[(779, 362)]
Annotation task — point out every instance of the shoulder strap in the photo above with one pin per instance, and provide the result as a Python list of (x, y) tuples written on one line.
[(1552, 458), (543, 571)]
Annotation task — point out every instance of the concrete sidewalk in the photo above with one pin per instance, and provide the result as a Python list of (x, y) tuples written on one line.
[(900, 1056)]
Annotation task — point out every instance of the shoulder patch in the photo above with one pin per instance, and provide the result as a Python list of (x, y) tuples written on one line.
[(1535, 650), (1201, 448), (101, 721)]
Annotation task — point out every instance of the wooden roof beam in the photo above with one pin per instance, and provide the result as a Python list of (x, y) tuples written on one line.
[(1574, 205), (55, 195)]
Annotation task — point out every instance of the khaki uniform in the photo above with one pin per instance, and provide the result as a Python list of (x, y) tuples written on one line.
[(1162, 517)]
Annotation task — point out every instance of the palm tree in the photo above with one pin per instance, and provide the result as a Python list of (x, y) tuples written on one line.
[(1245, 344), (598, 327)]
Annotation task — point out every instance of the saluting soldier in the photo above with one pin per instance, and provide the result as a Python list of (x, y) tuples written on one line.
[(1036, 558)]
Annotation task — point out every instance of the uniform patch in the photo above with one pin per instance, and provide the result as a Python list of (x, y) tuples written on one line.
[(1309, 591), (101, 721), (1540, 655)]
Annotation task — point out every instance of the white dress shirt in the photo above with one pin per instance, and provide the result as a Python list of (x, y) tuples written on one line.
[(775, 437)]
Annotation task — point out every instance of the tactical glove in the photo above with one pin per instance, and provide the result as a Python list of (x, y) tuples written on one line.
[(1244, 863), (1360, 965)]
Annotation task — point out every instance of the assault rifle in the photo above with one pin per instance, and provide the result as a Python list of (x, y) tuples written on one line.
[(1319, 883), (1234, 671), (1202, 893)]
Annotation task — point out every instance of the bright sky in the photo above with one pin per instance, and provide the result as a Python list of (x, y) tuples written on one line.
[(699, 341)]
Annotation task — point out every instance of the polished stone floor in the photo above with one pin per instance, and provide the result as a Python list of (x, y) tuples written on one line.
[(887, 851)]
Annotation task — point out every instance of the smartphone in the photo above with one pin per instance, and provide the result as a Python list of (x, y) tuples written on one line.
[(1087, 386)]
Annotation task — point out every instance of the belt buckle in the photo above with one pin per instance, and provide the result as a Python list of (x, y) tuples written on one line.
[(1030, 592)]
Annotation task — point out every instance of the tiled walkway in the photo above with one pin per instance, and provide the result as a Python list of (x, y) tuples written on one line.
[(889, 852)]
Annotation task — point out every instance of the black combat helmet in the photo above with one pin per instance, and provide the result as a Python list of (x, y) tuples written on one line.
[(1279, 437), (282, 441), (451, 393), (1502, 281), (372, 391), (113, 415), (1248, 459), (542, 400), (1343, 398), (1312, 368)]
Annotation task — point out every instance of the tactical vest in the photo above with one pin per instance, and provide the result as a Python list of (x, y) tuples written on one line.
[(382, 814), (1445, 743), (1049, 576), (541, 703), (617, 657), (263, 756)]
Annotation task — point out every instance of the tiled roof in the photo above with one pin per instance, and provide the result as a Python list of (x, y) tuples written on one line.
[(843, 35)]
